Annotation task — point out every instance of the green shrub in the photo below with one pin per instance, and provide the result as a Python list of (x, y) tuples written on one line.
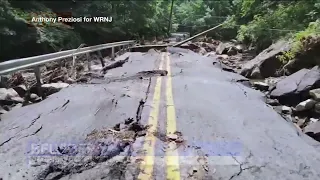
[(299, 39)]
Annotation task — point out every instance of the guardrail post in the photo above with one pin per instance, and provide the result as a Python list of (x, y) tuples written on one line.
[(112, 53), (39, 83), (101, 58), (89, 61), (3, 82)]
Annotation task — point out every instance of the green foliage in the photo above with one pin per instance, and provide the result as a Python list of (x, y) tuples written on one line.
[(279, 20), (131, 20), (299, 39)]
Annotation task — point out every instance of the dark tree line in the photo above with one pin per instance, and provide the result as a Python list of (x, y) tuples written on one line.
[(256, 22)]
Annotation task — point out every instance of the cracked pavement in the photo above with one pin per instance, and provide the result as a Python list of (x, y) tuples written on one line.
[(213, 112)]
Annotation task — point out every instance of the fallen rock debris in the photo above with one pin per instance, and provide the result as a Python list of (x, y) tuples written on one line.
[(114, 65), (299, 96), (100, 146)]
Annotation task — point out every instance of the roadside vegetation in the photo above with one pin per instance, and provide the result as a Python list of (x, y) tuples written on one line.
[(257, 23)]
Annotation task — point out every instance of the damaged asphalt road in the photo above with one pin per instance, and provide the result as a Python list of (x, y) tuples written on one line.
[(196, 120)]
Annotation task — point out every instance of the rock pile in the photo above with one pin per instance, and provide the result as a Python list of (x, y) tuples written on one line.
[(19, 96), (297, 97), (269, 64)]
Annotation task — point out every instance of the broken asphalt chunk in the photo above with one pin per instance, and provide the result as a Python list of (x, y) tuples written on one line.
[(128, 121)]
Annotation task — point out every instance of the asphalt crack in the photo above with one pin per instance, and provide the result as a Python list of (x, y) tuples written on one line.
[(241, 169), (142, 102), (275, 144), (31, 124), (14, 127), (6, 141), (34, 133), (244, 92), (139, 110), (148, 90), (63, 106), (67, 102)]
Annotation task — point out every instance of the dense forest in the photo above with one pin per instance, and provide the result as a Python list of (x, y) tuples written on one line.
[(254, 22)]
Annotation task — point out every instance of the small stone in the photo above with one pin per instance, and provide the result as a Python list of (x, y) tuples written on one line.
[(7, 94), (272, 102), (172, 136), (17, 99), (70, 80), (317, 108), (142, 133), (315, 94), (202, 51), (232, 51), (313, 120), (261, 86), (129, 120), (117, 127), (301, 122), (239, 48), (21, 90), (287, 117), (192, 171), (286, 110), (305, 105), (223, 56), (34, 96)]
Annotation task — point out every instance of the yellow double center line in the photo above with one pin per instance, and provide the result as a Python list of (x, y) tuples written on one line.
[(172, 157)]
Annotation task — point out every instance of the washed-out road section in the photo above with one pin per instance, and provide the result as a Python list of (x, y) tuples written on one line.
[(228, 131)]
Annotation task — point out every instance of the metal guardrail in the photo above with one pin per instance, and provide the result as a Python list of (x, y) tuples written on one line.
[(36, 61), (29, 62)]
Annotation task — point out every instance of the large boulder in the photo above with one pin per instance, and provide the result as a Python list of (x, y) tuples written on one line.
[(9, 96), (21, 90), (53, 87), (306, 105), (261, 86), (317, 108), (266, 63), (315, 94), (295, 88), (210, 47), (307, 58), (222, 48), (313, 130), (4, 81)]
